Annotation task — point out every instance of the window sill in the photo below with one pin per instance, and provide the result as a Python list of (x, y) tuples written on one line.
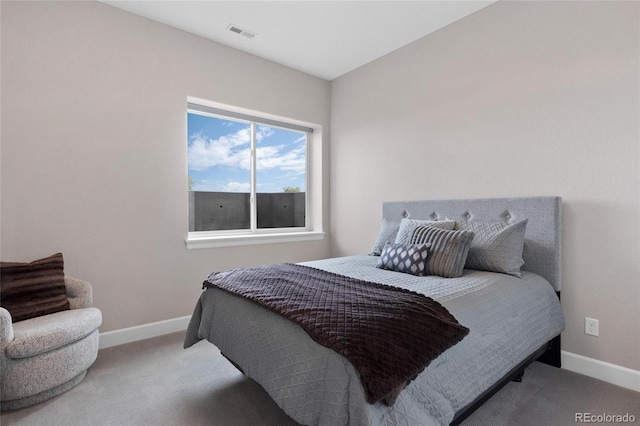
[(209, 241)]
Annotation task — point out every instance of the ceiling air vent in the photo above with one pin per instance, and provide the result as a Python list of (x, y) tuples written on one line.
[(236, 29)]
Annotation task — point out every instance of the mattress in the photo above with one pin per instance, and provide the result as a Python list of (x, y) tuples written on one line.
[(509, 318)]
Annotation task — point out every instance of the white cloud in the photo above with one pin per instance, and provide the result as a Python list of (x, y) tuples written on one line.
[(263, 132), (237, 187), (229, 150), (269, 157), (234, 150)]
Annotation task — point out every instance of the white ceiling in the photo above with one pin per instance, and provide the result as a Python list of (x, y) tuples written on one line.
[(321, 38)]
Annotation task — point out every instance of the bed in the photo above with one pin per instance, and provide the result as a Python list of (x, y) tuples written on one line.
[(513, 317)]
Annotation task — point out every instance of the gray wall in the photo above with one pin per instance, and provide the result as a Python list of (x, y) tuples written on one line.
[(517, 99)]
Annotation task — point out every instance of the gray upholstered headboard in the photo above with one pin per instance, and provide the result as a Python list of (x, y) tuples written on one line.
[(543, 239)]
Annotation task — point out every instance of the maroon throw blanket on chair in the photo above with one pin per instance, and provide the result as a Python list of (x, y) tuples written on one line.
[(388, 334)]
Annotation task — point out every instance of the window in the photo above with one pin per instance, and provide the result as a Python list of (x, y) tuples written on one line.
[(248, 177)]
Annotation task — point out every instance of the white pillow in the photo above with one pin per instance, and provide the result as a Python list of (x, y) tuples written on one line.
[(496, 247)]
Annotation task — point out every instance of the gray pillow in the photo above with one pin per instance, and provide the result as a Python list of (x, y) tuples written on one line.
[(448, 252), (408, 226), (406, 258), (387, 234), (497, 247)]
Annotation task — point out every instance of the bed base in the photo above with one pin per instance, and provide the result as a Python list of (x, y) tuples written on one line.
[(549, 354), (552, 356)]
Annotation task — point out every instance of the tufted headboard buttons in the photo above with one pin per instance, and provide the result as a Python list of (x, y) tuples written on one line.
[(507, 216)]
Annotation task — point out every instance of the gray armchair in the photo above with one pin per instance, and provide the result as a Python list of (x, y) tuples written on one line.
[(45, 356)]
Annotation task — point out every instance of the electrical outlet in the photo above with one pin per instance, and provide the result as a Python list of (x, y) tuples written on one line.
[(590, 326)]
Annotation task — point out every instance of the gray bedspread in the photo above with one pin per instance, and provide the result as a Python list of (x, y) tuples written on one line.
[(509, 318)]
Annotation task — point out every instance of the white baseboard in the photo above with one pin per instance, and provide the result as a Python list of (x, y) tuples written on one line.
[(141, 332), (601, 370)]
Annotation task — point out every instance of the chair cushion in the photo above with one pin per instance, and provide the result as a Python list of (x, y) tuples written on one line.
[(33, 289), (43, 334)]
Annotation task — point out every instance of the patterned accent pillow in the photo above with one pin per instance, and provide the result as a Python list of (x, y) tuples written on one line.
[(387, 234), (406, 258), (33, 289), (407, 226), (448, 252), (497, 247)]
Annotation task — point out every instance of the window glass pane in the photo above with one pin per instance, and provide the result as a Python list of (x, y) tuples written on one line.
[(281, 177), (219, 163)]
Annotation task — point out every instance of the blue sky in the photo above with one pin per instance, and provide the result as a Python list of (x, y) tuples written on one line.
[(219, 156)]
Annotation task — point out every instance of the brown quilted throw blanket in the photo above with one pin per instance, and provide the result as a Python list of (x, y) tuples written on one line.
[(388, 334)]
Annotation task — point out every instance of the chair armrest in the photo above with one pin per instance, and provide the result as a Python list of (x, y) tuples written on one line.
[(6, 329), (79, 293)]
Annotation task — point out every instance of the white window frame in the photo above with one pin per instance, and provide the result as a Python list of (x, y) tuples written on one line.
[(254, 235)]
